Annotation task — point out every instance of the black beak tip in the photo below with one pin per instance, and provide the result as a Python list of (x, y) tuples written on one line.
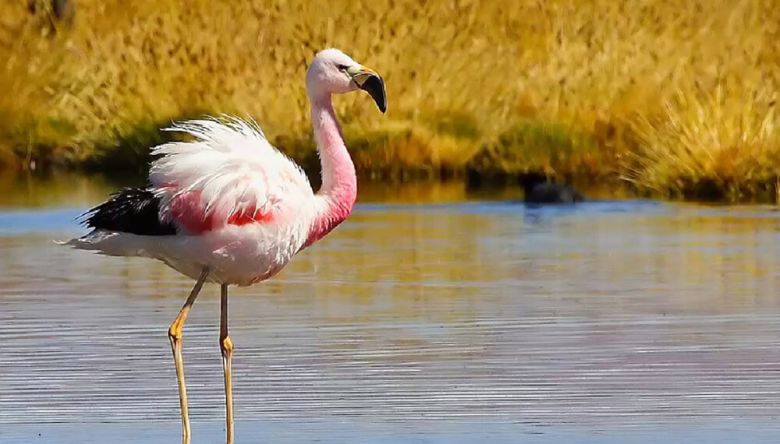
[(375, 87)]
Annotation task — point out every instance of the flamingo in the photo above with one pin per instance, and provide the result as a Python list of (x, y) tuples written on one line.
[(227, 207)]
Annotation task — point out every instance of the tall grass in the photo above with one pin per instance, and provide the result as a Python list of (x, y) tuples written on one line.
[(707, 144), (668, 94)]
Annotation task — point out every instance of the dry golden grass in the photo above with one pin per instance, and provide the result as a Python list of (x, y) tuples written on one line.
[(669, 94), (708, 144)]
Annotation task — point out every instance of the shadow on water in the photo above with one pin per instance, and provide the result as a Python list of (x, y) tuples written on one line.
[(427, 317)]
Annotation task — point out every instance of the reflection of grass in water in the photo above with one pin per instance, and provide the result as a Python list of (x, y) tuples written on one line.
[(466, 81), (68, 189), (60, 189)]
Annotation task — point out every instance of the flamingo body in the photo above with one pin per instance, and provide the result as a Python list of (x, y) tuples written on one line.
[(227, 200)]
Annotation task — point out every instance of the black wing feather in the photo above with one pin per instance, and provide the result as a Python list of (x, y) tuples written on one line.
[(131, 210)]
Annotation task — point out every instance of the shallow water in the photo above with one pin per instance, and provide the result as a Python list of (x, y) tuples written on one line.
[(427, 317)]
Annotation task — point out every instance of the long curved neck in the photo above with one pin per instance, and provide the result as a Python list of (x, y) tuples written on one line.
[(339, 183)]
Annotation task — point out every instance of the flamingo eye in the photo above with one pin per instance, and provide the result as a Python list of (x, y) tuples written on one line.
[(342, 67)]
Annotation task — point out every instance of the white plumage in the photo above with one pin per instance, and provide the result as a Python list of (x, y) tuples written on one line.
[(229, 169), (229, 172)]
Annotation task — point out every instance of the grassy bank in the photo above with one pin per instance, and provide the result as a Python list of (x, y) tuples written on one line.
[(677, 98)]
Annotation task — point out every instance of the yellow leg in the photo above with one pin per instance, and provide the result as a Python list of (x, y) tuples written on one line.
[(226, 345), (174, 334)]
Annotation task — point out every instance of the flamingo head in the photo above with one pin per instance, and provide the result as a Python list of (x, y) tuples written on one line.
[(333, 72)]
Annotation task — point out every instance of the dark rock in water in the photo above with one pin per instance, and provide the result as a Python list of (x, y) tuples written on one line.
[(539, 191), (552, 193)]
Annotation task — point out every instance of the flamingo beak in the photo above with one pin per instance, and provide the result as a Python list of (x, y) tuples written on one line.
[(370, 82)]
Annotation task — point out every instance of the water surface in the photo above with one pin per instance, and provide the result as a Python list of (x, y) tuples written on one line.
[(428, 317)]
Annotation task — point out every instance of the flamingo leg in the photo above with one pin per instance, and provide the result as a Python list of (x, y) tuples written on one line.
[(175, 335), (226, 345)]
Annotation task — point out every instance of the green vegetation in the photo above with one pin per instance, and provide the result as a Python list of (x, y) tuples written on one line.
[(677, 98)]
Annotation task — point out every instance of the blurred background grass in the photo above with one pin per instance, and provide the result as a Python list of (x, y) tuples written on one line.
[(675, 97)]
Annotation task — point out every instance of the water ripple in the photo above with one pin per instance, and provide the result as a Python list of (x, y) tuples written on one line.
[(571, 319)]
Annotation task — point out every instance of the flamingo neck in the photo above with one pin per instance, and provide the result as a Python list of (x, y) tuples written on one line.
[(339, 183)]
